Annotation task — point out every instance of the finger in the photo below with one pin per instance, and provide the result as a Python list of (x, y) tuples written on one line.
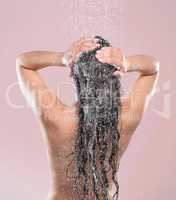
[(89, 38), (89, 47), (99, 53), (103, 51), (102, 59), (94, 40), (103, 56), (84, 39), (99, 56), (89, 41)]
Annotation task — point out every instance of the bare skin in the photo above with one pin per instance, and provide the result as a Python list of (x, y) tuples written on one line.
[(59, 121)]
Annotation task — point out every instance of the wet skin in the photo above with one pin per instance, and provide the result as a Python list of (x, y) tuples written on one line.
[(58, 121)]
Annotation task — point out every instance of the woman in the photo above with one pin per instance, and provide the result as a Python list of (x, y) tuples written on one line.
[(97, 124)]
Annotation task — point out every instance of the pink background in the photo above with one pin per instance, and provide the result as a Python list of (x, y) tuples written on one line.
[(147, 169)]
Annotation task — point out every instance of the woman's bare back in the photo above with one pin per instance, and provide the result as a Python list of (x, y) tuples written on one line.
[(60, 139)]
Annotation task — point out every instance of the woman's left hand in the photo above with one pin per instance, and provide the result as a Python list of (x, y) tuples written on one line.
[(113, 56), (85, 43)]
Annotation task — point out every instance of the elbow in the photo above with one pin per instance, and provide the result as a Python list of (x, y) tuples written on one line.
[(155, 64), (19, 59), (150, 62)]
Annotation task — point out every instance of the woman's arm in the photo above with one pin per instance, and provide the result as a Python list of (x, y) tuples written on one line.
[(135, 103), (140, 93), (144, 64), (35, 60), (43, 100), (143, 87)]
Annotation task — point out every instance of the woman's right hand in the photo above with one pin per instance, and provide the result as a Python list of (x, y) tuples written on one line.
[(85, 43), (113, 56)]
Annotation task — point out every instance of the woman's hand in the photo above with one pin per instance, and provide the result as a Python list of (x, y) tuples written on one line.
[(113, 56), (85, 43)]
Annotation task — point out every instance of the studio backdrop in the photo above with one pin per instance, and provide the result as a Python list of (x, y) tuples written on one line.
[(147, 169)]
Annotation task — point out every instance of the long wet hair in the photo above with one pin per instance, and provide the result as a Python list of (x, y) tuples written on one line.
[(98, 92)]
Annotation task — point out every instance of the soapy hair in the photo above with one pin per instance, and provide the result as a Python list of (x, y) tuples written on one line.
[(96, 145)]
